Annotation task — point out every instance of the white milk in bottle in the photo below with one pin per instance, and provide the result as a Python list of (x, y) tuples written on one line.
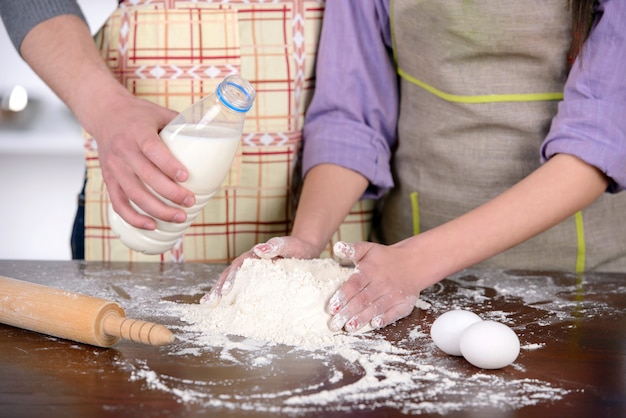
[(205, 139)]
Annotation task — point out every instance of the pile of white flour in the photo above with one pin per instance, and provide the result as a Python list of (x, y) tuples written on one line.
[(282, 301)]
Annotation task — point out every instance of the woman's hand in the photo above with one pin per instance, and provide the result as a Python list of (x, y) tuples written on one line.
[(277, 247), (382, 289)]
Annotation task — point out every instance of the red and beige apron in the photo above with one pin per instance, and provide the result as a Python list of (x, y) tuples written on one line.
[(480, 83), (174, 53)]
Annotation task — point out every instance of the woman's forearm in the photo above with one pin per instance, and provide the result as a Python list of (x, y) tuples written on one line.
[(555, 191), (328, 194)]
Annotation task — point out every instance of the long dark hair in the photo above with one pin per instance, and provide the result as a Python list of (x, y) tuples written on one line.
[(582, 18)]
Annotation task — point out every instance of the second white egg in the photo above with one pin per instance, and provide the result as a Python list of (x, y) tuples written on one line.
[(489, 345)]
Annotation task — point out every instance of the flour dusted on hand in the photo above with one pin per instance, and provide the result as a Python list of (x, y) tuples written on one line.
[(282, 301)]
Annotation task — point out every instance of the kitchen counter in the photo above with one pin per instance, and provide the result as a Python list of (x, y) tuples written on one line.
[(572, 363)]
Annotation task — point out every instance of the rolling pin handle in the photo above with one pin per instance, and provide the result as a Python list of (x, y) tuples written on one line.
[(137, 330)]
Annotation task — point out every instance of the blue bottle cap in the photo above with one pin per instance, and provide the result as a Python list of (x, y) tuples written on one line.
[(236, 93)]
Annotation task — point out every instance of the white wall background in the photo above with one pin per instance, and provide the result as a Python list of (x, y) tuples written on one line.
[(41, 161)]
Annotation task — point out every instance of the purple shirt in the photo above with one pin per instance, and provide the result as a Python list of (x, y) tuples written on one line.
[(352, 119), (591, 120)]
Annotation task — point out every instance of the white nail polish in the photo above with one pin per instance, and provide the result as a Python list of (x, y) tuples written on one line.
[(338, 322), (336, 302), (377, 321), (227, 287), (344, 250), (211, 299), (352, 325)]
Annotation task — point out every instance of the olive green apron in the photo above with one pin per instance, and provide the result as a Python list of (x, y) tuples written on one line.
[(480, 82)]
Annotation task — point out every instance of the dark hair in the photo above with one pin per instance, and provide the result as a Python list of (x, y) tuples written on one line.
[(582, 18)]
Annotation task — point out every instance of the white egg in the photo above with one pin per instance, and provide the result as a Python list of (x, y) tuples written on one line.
[(489, 345), (447, 329)]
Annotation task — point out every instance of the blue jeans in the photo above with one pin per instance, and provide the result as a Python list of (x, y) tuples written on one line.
[(77, 240)]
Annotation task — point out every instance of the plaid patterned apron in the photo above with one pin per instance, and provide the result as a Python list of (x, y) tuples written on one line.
[(480, 83), (174, 53)]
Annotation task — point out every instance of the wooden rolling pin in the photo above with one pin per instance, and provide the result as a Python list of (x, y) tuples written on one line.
[(73, 316)]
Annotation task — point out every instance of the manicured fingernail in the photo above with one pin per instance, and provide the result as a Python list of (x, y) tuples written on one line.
[(377, 321), (352, 325), (150, 225), (211, 299), (228, 283), (338, 322), (336, 302), (265, 249), (344, 250), (227, 287), (269, 249), (180, 217)]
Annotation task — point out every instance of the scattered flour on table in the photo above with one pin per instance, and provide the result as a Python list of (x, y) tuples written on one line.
[(355, 372), (282, 301), (275, 315)]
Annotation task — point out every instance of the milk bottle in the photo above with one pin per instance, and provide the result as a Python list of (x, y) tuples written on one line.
[(205, 138)]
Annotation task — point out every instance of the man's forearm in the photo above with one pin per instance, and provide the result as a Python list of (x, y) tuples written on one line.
[(62, 52)]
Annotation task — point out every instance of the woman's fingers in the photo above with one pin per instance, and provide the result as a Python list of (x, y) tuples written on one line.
[(377, 292)]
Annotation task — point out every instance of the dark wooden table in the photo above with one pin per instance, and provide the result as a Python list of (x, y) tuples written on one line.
[(572, 363)]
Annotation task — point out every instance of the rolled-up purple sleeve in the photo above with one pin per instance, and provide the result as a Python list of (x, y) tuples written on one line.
[(352, 118), (591, 120)]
